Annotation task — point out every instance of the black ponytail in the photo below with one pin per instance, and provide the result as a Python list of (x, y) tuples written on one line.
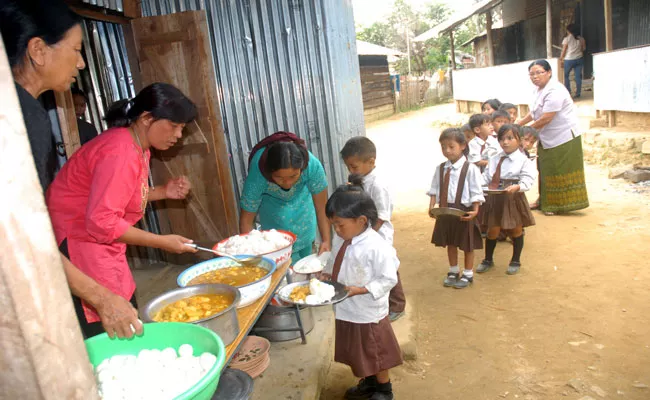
[(161, 100), (355, 180), (351, 201)]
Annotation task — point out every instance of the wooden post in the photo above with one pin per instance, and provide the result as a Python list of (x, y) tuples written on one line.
[(609, 38), (453, 61), (43, 354), (67, 121), (490, 45), (549, 30)]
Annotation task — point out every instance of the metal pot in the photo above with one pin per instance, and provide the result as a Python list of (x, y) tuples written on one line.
[(275, 317), (225, 324)]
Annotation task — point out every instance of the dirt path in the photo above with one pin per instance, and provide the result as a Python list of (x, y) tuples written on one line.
[(576, 315)]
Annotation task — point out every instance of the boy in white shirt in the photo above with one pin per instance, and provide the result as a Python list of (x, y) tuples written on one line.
[(359, 155), (484, 145)]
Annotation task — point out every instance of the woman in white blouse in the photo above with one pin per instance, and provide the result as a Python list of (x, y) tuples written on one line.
[(562, 184), (573, 47)]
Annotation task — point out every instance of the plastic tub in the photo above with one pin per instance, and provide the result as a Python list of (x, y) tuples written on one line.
[(160, 336)]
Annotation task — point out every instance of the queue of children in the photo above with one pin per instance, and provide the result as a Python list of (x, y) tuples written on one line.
[(488, 154), (365, 261)]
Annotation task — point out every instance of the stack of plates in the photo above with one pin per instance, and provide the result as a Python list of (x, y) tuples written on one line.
[(253, 356)]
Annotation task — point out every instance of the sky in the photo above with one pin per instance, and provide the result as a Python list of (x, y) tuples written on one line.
[(366, 12)]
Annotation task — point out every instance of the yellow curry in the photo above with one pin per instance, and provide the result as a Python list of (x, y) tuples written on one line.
[(193, 308), (233, 276)]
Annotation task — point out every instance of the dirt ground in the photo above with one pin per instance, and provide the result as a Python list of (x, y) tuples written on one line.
[(573, 323)]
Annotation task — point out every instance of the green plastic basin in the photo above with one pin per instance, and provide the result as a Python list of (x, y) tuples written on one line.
[(159, 336)]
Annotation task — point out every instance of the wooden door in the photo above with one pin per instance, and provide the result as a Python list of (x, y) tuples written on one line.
[(175, 49)]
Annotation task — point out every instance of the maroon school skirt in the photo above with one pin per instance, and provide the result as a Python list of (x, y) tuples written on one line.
[(367, 348), (451, 231), (507, 211)]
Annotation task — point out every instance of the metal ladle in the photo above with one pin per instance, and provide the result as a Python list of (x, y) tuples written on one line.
[(251, 261)]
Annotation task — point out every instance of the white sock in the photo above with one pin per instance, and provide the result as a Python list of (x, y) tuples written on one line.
[(454, 269), (468, 273)]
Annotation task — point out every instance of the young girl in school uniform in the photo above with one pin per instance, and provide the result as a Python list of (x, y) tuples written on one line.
[(367, 265), (457, 184), (507, 212)]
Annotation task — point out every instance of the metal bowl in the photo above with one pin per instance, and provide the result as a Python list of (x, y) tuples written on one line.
[(225, 323), (442, 211), (250, 292)]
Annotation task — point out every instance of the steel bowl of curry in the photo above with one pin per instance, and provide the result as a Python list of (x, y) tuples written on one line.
[(213, 306), (252, 282)]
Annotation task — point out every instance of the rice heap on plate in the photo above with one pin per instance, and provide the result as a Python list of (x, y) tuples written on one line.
[(319, 292), (254, 243)]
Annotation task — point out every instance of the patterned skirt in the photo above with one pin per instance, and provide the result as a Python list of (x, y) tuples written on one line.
[(366, 348), (562, 178)]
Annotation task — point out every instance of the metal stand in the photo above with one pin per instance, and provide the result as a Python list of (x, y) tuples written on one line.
[(296, 310)]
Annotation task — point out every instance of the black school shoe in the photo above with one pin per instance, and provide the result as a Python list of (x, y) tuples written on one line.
[(384, 392), (364, 390), (451, 279), (463, 282), (513, 268)]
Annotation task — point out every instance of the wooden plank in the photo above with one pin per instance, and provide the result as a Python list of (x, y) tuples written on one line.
[(609, 37), (210, 213), (43, 354), (490, 44), (67, 122), (132, 8), (379, 110), (549, 30), (132, 54), (377, 94), (377, 103), (382, 69), (98, 13), (248, 315)]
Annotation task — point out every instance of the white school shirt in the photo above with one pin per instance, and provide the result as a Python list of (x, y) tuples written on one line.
[(515, 166), (472, 192), (574, 48), (564, 126), (491, 148), (369, 262), (378, 191)]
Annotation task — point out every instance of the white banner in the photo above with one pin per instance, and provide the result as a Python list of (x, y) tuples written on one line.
[(509, 83)]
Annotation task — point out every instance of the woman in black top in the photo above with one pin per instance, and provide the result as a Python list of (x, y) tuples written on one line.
[(43, 41)]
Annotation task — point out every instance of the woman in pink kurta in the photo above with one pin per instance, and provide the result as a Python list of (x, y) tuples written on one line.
[(102, 191)]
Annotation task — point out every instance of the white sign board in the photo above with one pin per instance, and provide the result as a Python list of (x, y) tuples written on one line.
[(622, 80), (509, 83)]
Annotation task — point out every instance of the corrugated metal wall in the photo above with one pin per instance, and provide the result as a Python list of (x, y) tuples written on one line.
[(115, 5), (282, 65), (639, 23)]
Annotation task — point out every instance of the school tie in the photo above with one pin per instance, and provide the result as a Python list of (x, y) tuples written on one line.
[(444, 190), (482, 148), (496, 178), (339, 260)]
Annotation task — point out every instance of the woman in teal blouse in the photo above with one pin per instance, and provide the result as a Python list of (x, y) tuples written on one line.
[(287, 187)]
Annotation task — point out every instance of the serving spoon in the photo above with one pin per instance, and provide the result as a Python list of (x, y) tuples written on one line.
[(250, 261)]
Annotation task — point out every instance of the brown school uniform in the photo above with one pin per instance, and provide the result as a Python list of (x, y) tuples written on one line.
[(451, 231), (368, 348)]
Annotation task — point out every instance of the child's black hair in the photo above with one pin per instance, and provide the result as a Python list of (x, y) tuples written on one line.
[(477, 120), (500, 113), (529, 130), (457, 136), (509, 128), (465, 128), (507, 106), (494, 103), (359, 146), (351, 201)]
